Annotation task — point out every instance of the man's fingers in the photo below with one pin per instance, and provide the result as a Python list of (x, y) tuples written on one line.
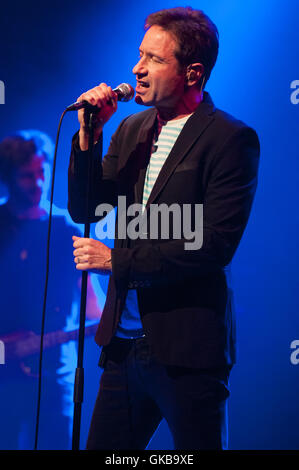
[(83, 242), (91, 255), (81, 260), (80, 241), (99, 95), (80, 251)]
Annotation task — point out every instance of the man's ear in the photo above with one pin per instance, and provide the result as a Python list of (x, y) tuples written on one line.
[(194, 73)]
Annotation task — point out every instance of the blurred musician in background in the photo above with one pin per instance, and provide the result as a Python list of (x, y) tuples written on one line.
[(25, 166)]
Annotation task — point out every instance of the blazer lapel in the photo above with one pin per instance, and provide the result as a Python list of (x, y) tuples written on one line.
[(190, 133), (145, 139)]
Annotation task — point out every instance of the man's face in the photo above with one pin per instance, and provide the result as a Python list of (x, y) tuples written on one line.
[(160, 82), (28, 181)]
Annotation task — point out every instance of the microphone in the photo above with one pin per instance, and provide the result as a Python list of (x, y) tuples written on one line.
[(125, 92)]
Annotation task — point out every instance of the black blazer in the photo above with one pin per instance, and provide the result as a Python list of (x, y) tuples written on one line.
[(183, 296)]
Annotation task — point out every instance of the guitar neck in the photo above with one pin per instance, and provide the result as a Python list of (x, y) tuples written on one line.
[(59, 337), (20, 346)]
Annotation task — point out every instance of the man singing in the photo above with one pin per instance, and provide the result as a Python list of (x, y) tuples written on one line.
[(167, 329)]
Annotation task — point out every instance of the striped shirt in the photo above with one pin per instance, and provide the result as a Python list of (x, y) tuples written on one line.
[(169, 132), (130, 324)]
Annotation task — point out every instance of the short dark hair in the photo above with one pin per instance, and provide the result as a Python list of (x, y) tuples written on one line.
[(17, 150), (196, 35)]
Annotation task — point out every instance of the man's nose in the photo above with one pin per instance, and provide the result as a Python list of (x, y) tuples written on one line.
[(140, 67), (39, 180)]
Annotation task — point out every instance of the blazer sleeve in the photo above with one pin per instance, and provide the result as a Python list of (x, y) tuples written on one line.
[(227, 203), (103, 182)]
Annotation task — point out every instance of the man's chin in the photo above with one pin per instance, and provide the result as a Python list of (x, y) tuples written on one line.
[(34, 201), (141, 100)]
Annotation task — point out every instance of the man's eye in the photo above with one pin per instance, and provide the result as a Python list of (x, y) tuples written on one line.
[(156, 59)]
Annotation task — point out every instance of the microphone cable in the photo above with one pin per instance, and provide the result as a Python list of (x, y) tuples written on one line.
[(46, 286)]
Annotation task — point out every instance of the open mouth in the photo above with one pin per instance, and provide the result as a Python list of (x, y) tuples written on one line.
[(141, 84)]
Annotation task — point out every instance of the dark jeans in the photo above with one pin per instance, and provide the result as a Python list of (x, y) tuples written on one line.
[(136, 392)]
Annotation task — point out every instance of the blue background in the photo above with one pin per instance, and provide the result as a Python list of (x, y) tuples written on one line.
[(51, 53)]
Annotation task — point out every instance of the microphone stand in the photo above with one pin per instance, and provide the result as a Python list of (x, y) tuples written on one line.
[(79, 375)]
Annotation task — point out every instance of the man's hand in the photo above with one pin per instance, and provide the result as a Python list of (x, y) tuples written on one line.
[(106, 99), (92, 255)]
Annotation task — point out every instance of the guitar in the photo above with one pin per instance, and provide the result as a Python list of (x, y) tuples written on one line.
[(21, 345)]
